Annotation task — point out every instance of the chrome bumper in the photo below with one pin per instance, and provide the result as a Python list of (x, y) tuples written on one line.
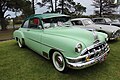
[(115, 35), (80, 64)]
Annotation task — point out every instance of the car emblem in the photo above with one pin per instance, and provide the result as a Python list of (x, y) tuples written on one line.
[(88, 58), (95, 37)]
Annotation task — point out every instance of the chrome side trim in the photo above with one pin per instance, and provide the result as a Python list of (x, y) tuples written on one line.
[(46, 45)]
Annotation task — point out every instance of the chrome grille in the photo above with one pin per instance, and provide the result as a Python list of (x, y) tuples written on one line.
[(91, 53), (96, 50)]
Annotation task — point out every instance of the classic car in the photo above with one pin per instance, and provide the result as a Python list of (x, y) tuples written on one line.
[(112, 31), (67, 47), (105, 21)]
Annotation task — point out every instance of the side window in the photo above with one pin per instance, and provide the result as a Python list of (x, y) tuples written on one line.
[(99, 21), (35, 23), (77, 22), (25, 24)]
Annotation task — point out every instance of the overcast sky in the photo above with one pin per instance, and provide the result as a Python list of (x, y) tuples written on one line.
[(85, 3)]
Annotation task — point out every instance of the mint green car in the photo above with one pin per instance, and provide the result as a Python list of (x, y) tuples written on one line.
[(66, 46)]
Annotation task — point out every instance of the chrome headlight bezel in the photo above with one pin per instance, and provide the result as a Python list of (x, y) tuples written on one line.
[(78, 48)]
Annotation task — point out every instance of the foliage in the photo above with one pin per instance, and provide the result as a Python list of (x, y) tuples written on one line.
[(106, 7), (26, 8), (48, 3), (15, 6), (79, 9), (69, 6)]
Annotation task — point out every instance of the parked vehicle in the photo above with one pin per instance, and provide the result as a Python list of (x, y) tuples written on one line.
[(67, 47), (106, 21), (112, 31)]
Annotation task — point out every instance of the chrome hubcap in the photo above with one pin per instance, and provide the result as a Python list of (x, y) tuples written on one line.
[(58, 61), (19, 43)]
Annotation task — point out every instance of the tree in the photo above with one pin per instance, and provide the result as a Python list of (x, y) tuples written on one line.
[(33, 7), (48, 3), (64, 6), (71, 7), (11, 5), (79, 9), (26, 9), (106, 7)]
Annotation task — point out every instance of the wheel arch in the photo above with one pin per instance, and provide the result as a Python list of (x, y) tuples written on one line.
[(52, 51)]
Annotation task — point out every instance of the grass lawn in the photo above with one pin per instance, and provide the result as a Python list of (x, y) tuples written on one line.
[(24, 64)]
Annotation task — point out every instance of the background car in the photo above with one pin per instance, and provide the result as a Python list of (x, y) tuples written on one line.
[(112, 31), (106, 21), (67, 47)]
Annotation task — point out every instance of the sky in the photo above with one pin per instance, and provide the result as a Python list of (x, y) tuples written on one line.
[(85, 3)]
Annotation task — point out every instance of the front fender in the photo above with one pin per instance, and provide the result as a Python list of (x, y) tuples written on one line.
[(64, 44), (18, 34)]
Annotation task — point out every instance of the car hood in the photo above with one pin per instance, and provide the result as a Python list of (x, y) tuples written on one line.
[(81, 35), (115, 23), (108, 28)]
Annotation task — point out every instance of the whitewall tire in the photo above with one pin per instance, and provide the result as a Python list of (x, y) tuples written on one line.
[(20, 43), (59, 61)]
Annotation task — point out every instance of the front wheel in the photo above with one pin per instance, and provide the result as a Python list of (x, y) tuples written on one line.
[(20, 43), (59, 61)]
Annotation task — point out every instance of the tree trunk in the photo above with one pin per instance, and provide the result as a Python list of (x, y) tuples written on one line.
[(55, 5), (33, 6), (62, 6), (52, 6), (100, 8), (3, 24), (3, 21)]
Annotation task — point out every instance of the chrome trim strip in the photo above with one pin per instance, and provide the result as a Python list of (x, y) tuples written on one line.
[(46, 45)]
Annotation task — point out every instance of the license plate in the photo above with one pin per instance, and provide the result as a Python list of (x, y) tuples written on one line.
[(101, 59)]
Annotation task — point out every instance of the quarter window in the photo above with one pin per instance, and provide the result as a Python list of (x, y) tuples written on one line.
[(35, 23), (77, 22), (25, 24)]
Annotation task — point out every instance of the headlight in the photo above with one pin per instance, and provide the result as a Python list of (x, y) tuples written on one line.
[(106, 39), (78, 48)]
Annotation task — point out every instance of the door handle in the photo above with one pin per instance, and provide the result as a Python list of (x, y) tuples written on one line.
[(28, 30)]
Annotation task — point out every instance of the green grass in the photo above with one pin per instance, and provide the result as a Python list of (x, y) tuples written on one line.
[(24, 64)]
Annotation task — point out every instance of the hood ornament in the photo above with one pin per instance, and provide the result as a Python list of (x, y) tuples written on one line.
[(95, 37)]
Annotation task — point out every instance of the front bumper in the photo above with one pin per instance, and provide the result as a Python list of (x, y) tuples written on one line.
[(89, 59), (115, 35)]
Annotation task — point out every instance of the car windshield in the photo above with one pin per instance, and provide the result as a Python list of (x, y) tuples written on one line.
[(108, 20), (88, 22), (55, 22)]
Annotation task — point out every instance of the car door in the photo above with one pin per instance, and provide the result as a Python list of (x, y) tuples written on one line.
[(99, 21), (33, 35)]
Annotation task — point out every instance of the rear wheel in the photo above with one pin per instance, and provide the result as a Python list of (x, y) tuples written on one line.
[(59, 61)]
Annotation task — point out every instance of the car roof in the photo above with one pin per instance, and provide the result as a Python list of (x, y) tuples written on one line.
[(79, 19), (46, 15)]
